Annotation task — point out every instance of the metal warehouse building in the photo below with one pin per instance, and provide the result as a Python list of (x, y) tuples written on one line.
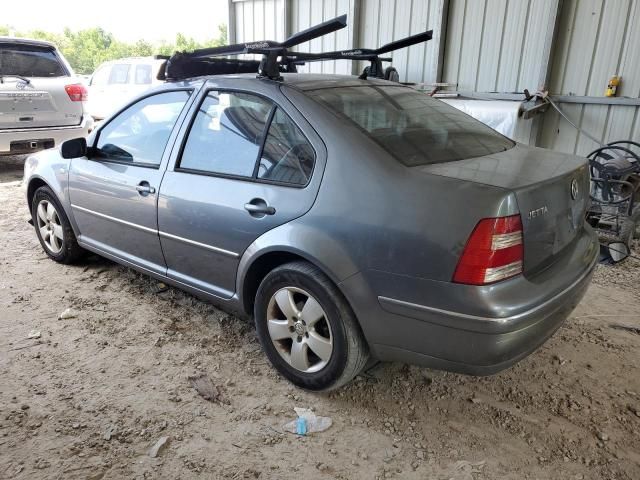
[(490, 49)]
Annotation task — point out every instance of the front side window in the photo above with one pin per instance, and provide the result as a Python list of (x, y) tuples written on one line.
[(411, 126), (140, 133), (287, 156), (119, 74), (30, 61), (226, 134)]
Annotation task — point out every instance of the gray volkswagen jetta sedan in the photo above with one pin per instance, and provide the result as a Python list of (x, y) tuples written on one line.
[(354, 219)]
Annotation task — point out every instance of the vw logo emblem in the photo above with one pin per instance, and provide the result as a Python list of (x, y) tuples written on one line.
[(574, 189)]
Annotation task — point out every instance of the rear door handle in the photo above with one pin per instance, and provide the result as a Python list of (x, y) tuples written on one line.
[(258, 208), (145, 189)]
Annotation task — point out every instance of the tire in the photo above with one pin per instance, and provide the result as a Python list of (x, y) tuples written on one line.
[(53, 228), (630, 229), (296, 285)]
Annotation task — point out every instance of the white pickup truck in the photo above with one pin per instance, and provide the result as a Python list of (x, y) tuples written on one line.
[(41, 99)]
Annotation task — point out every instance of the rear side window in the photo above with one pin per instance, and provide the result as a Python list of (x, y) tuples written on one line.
[(139, 134), (413, 127), (119, 74), (226, 134), (287, 156), (143, 75), (30, 61)]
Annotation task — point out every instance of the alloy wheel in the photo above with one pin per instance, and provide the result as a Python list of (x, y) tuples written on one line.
[(50, 226), (299, 329)]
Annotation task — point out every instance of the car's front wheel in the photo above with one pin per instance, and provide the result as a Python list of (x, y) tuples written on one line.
[(53, 227), (307, 328)]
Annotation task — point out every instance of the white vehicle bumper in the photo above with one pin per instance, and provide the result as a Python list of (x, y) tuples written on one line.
[(29, 140)]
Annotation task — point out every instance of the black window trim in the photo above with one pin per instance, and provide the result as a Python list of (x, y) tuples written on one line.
[(254, 177), (126, 107)]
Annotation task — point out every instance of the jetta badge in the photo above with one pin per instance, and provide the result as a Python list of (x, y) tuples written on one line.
[(574, 189), (538, 212)]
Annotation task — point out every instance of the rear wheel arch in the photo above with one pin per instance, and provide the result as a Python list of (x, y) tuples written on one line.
[(265, 263), (256, 272)]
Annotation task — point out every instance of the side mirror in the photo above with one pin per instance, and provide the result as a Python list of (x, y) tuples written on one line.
[(74, 148)]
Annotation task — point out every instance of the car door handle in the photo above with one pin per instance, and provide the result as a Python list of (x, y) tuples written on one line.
[(259, 208), (145, 189)]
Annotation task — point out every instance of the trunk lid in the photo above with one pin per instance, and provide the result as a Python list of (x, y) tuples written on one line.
[(551, 189), (32, 88)]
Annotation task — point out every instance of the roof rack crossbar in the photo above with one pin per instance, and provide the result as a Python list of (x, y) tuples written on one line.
[(375, 67), (269, 66), (367, 54), (276, 57)]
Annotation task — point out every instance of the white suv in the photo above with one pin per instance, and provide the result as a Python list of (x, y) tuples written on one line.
[(41, 99), (116, 82)]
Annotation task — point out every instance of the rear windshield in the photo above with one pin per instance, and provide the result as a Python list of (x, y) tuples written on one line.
[(413, 127), (30, 61)]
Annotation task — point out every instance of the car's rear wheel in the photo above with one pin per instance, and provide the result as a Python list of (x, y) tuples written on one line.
[(53, 227), (307, 328)]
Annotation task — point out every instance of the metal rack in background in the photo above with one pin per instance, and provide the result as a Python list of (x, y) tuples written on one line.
[(615, 197)]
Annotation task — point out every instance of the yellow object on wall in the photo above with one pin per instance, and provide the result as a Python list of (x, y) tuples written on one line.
[(612, 87)]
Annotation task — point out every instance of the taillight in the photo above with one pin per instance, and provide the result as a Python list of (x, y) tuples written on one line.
[(77, 92), (493, 252)]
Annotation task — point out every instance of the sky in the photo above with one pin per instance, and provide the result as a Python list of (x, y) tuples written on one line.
[(128, 20)]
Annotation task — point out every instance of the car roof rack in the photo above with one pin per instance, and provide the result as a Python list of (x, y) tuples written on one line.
[(367, 54), (204, 62), (276, 56)]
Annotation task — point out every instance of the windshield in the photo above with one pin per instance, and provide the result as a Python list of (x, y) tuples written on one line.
[(413, 127), (30, 61)]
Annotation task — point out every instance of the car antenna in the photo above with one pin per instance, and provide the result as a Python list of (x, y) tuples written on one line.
[(204, 62)]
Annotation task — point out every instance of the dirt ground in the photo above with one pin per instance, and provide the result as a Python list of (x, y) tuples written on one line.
[(92, 395)]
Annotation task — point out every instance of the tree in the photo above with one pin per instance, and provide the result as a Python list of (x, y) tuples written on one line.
[(86, 49)]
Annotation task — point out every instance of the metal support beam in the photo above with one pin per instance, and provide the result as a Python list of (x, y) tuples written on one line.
[(545, 69), (353, 17), (443, 21), (231, 23), (519, 97), (626, 101), (286, 20)]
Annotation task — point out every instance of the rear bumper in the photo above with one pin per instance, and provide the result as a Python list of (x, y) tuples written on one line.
[(517, 318), (29, 140)]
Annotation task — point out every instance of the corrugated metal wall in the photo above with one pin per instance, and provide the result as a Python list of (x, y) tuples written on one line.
[(490, 46), (596, 39), (497, 45), (306, 13), (259, 20), (383, 21)]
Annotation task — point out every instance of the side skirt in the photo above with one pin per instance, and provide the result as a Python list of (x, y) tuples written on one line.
[(231, 305)]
